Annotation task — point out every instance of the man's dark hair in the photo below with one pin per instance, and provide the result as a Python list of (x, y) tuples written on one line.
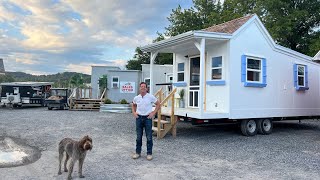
[(144, 83)]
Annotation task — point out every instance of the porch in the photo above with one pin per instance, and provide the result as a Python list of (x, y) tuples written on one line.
[(194, 113)]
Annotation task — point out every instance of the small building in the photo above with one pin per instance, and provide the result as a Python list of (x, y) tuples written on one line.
[(163, 77), (124, 84), (2, 70), (235, 70), (96, 73)]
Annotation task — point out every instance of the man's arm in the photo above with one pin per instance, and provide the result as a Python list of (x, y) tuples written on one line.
[(134, 109), (155, 110)]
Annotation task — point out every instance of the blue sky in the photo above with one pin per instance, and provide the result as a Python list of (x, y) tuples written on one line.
[(51, 36)]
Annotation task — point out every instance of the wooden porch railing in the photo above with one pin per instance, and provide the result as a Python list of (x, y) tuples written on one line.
[(161, 132)]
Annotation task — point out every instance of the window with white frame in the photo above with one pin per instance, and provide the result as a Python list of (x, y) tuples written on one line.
[(300, 77), (147, 81), (253, 69), (180, 72), (216, 68), (115, 82)]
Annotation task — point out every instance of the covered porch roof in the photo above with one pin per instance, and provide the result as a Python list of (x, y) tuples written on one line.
[(186, 41)]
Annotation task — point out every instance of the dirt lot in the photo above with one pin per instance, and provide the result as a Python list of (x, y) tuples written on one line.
[(292, 151)]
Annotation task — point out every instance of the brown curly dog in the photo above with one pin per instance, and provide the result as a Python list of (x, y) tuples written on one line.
[(77, 150)]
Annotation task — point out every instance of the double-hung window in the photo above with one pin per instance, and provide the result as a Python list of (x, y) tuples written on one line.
[(300, 75), (216, 68), (216, 72), (180, 72), (253, 71), (115, 82)]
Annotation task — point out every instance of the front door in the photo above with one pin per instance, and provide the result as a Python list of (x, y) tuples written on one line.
[(194, 82)]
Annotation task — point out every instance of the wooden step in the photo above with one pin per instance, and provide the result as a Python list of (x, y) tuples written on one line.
[(155, 129), (85, 102), (162, 121)]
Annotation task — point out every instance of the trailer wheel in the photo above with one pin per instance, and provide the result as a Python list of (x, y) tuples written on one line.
[(249, 127), (265, 126)]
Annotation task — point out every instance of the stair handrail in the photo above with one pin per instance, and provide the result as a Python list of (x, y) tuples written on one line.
[(103, 93), (167, 98), (172, 110), (158, 92), (69, 100)]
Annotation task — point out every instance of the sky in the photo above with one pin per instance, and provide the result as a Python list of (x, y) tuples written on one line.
[(52, 36)]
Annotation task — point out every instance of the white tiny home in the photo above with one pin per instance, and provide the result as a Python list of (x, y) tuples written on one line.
[(235, 71)]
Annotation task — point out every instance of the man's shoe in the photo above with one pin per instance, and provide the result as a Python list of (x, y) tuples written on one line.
[(149, 157), (135, 156)]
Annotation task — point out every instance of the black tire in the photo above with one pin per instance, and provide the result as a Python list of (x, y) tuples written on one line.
[(249, 127), (49, 108), (265, 126)]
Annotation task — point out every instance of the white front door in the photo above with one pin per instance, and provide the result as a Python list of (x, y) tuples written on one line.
[(194, 82)]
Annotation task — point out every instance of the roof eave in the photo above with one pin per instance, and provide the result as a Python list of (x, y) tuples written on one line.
[(184, 37), (167, 42)]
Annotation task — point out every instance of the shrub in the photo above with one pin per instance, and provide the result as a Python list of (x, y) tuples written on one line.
[(107, 101), (181, 93), (123, 101)]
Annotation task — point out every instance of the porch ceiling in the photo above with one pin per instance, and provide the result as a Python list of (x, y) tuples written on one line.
[(188, 46), (185, 42)]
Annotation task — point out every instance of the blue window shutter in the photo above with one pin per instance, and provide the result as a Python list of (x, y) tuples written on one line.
[(306, 77), (295, 76), (264, 71), (243, 68)]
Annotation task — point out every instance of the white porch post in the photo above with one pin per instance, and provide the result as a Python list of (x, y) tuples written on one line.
[(202, 74), (152, 58)]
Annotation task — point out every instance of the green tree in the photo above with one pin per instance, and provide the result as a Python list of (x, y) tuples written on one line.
[(103, 82), (293, 23), (139, 58), (6, 78), (77, 81)]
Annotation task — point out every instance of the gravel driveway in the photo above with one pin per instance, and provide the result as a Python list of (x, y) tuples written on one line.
[(292, 151)]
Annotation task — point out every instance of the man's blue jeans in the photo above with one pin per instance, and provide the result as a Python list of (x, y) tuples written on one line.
[(144, 122)]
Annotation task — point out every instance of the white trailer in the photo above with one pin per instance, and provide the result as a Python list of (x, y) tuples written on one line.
[(236, 72), (24, 93)]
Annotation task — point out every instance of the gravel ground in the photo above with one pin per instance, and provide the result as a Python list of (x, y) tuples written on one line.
[(292, 151)]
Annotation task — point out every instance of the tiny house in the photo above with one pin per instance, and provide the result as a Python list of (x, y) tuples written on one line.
[(236, 72)]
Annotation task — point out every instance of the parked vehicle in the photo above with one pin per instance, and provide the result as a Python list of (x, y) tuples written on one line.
[(24, 93), (58, 98)]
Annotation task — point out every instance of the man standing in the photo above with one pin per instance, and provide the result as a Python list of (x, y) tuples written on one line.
[(142, 111)]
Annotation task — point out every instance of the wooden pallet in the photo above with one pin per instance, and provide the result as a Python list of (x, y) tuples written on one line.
[(86, 104)]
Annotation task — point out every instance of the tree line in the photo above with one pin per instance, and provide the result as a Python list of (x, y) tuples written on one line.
[(62, 80), (294, 24)]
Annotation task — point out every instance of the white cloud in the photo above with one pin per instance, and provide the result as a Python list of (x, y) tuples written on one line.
[(38, 38), (77, 33)]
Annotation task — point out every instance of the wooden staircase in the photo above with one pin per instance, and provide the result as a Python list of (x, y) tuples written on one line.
[(86, 105), (161, 126), (77, 102)]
